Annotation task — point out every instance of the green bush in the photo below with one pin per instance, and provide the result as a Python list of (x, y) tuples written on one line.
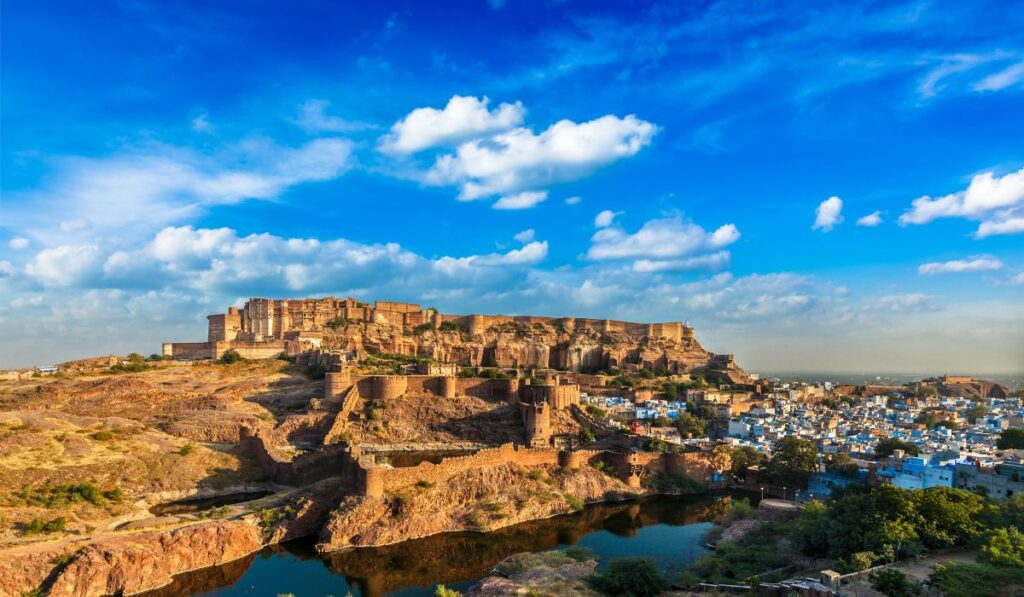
[(630, 577), (59, 496), (230, 356), (130, 367), (969, 579), (186, 449), (580, 554), (38, 526), (423, 328), (442, 591), (893, 583), (574, 502), (1003, 547), (104, 435)]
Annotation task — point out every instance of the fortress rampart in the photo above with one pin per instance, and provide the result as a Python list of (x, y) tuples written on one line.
[(251, 328), (361, 476)]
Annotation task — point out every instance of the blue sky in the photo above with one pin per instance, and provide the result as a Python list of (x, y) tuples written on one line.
[(832, 187)]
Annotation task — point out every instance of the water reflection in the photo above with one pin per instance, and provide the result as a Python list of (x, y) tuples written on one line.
[(459, 559)]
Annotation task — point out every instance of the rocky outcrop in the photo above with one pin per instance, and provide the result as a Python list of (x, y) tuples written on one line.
[(478, 499), (973, 390), (548, 573), (128, 564), (537, 345), (132, 563)]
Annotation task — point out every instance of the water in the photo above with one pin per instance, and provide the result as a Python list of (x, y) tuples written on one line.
[(665, 529)]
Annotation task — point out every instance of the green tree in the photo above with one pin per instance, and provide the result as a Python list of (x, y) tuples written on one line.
[(744, 457), (443, 591), (1011, 439), (793, 461), (1003, 547), (690, 426), (887, 446), (976, 412), (947, 516), (631, 577), (893, 583), (586, 436), (927, 417), (840, 462)]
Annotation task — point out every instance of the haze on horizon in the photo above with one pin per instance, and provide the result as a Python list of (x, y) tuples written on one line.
[(822, 187)]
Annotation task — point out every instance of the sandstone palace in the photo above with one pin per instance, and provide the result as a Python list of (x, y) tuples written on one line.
[(266, 327)]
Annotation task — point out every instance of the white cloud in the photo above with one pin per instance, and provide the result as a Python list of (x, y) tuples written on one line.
[(313, 118), (604, 219), (525, 236), (664, 244), (998, 227), (520, 160), (18, 243), (1007, 77), (1017, 279), (135, 193), (524, 200), (901, 303), (724, 235), (574, 200), (65, 265), (981, 263), (461, 119), (6, 269), (711, 261), (201, 124), (938, 78), (871, 220), (828, 214), (532, 253), (220, 262), (998, 201)]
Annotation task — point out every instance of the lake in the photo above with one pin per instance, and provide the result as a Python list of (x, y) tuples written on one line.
[(667, 529)]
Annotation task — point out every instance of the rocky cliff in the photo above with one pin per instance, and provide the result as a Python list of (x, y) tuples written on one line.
[(536, 345), (480, 499)]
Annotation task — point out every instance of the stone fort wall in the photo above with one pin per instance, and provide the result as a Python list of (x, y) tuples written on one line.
[(268, 319)]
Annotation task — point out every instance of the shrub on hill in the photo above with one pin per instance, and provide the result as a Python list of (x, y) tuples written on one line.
[(630, 577)]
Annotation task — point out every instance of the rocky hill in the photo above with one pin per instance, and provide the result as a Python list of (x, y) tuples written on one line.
[(536, 345)]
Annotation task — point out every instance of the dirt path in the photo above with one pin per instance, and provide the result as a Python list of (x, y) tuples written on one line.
[(917, 569)]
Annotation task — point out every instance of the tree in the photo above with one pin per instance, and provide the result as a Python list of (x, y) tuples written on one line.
[(744, 457), (134, 357), (976, 412), (840, 462), (887, 446), (793, 461), (586, 435), (893, 583), (1011, 439), (928, 418), (631, 577), (443, 591), (1003, 547), (690, 426)]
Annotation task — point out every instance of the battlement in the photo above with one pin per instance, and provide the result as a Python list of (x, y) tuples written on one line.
[(264, 319)]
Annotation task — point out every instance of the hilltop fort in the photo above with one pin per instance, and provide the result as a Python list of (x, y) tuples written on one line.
[(266, 327)]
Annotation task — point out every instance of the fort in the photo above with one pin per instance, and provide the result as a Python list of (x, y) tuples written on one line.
[(264, 328)]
